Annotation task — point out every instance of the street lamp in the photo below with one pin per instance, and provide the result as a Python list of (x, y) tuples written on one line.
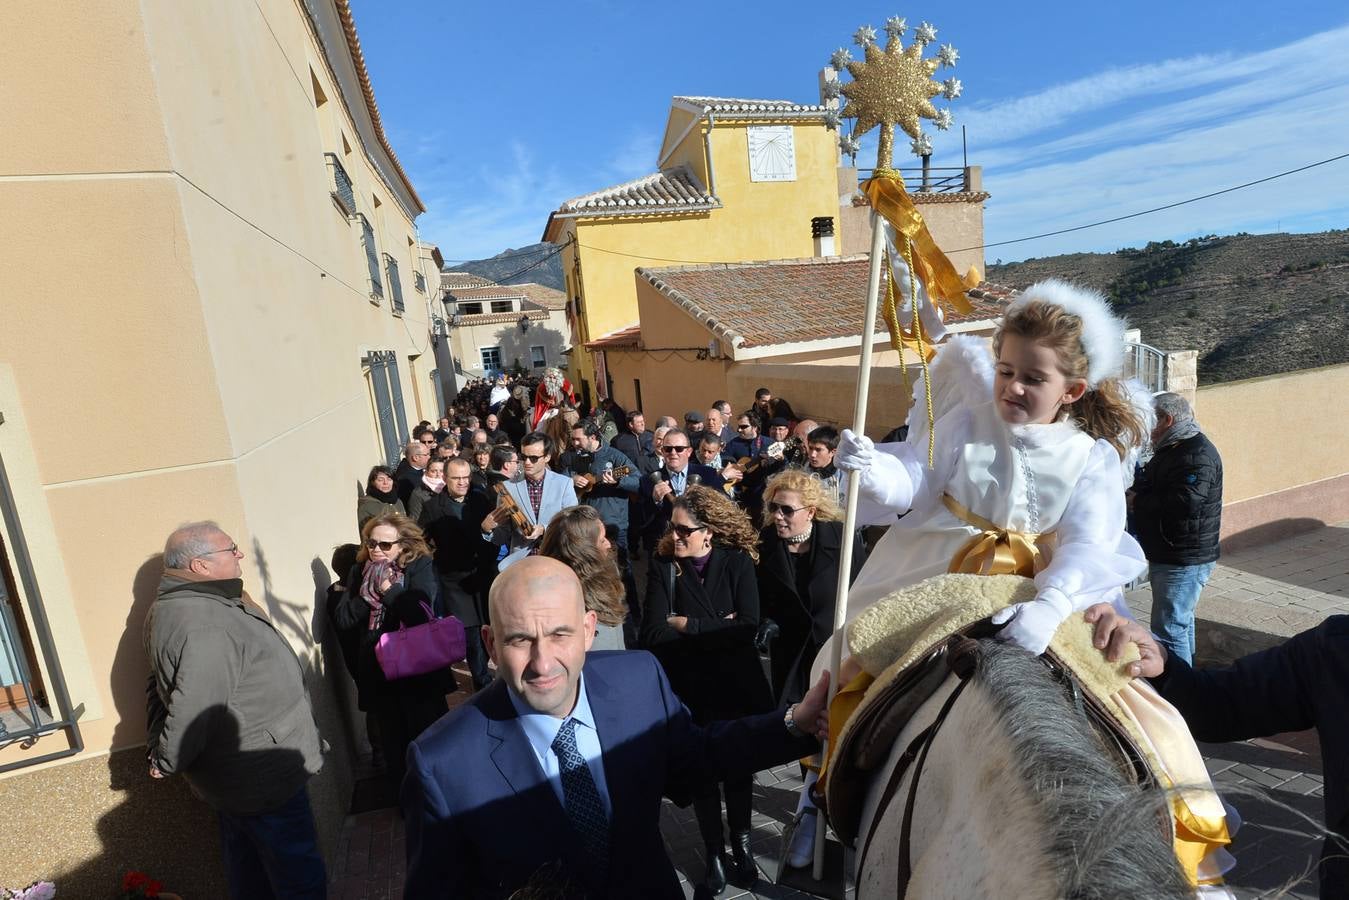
[(524, 323)]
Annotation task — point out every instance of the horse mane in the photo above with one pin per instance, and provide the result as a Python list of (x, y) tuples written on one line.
[(1105, 834)]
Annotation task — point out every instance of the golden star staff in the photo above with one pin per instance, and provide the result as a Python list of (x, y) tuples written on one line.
[(889, 87)]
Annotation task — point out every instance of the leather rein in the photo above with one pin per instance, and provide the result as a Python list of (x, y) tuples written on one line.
[(962, 658)]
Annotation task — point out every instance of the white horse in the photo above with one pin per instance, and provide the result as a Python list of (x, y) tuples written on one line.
[(1017, 797)]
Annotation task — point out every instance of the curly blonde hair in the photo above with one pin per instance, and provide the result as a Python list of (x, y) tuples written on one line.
[(812, 494), (410, 537), (573, 538), (1104, 412), (730, 525)]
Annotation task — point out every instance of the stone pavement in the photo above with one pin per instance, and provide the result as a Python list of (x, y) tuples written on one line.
[(1256, 597)]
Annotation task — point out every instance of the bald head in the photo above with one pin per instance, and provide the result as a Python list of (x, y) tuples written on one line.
[(804, 428), (532, 576), (540, 633)]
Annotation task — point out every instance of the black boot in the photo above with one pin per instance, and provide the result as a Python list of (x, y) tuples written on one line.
[(715, 879), (744, 871)]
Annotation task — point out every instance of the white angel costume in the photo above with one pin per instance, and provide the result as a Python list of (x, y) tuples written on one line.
[(1045, 501)]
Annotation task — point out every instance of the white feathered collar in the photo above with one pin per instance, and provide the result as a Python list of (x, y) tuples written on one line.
[(1036, 436)]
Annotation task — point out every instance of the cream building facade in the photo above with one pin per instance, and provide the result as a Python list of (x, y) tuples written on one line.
[(250, 331), (515, 327)]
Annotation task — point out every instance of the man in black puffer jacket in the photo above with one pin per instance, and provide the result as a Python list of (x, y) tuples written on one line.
[(1177, 513)]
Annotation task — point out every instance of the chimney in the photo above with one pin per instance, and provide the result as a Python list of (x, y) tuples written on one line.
[(822, 231)]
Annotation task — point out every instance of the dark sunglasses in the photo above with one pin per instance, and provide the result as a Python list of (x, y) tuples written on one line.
[(430, 442), (386, 546), (743, 427), (668, 449), (787, 511), (529, 457), (686, 531)]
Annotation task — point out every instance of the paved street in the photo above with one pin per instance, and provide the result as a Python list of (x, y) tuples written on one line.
[(1277, 589)]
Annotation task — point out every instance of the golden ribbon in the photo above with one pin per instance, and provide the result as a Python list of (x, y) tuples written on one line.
[(888, 198), (994, 550)]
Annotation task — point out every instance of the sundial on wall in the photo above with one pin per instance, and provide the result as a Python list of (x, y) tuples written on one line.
[(772, 153)]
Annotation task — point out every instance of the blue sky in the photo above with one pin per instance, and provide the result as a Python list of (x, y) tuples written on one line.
[(1077, 111)]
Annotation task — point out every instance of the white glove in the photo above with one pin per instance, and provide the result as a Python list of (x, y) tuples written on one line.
[(856, 452), (1031, 625)]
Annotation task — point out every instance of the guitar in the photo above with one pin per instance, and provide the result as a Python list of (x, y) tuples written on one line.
[(592, 480), (506, 504)]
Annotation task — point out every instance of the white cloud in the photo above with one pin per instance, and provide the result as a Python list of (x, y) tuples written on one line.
[(1234, 120)]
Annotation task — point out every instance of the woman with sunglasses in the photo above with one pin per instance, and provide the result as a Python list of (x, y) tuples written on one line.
[(392, 579), (701, 614), (798, 574)]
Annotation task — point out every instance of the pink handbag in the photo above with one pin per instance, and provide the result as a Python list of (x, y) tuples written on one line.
[(422, 648)]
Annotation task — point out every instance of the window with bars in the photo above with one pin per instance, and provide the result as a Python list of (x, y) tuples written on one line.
[(342, 192), (395, 283), (538, 357), (376, 287), (419, 281), (390, 417), (491, 359)]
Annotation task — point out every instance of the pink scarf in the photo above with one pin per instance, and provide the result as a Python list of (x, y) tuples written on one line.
[(436, 485), (374, 575)]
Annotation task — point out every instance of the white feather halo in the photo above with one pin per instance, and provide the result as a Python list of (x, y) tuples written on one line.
[(1102, 330)]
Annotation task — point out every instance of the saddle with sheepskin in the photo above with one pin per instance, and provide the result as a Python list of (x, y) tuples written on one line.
[(901, 641)]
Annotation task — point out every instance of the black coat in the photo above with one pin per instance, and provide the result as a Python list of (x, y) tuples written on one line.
[(1178, 503), (807, 622), (403, 604), (406, 479), (464, 561), (639, 450), (1302, 683), (713, 666)]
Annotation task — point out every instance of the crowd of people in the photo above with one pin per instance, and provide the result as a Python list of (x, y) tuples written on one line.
[(562, 537)]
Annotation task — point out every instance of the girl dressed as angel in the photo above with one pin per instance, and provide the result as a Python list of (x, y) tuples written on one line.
[(1027, 478)]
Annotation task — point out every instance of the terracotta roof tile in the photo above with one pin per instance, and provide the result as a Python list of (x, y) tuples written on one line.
[(452, 280), (763, 304), (741, 108), (624, 338), (535, 315), (671, 190)]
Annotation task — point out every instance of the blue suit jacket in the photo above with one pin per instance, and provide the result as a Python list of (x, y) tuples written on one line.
[(482, 819)]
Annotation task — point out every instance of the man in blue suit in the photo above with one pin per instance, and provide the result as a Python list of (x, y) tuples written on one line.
[(553, 776), (540, 494)]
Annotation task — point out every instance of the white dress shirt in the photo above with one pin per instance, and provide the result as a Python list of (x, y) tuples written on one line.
[(541, 729)]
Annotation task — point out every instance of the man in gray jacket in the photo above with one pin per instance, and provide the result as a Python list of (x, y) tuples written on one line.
[(228, 711)]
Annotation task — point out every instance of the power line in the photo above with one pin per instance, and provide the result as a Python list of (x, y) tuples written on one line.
[(1157, 208), (507, 255), (1033, 236), (540, 261)]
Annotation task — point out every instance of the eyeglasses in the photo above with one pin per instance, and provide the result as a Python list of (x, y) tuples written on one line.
[(743, 427), (429, 443), (232, 548), (686, 531), (529, 457), (787, 511), (386, 546), (668, 449)]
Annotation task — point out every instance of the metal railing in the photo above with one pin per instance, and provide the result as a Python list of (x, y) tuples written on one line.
[(1147, 364), (343, 191), (932, 180)]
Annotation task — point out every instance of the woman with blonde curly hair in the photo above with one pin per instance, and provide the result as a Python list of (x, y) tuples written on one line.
[(798, 574), (701, 615), (393, 584), (576, 537)]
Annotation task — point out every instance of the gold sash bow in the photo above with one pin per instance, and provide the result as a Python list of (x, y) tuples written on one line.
[(994, 551)]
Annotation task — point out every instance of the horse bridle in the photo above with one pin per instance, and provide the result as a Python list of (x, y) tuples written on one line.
[(962, 658)]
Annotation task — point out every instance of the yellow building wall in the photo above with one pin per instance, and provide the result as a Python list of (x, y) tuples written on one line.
[(757, 221), (205, 364)]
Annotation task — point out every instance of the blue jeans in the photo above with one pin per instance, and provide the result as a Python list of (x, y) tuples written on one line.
[(1175, 593), (274, 854)]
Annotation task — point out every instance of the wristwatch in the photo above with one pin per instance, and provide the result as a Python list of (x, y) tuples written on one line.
[(792, 728)]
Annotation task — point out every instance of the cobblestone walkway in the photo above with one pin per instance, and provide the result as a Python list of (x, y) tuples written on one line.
[(1255, 597)]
